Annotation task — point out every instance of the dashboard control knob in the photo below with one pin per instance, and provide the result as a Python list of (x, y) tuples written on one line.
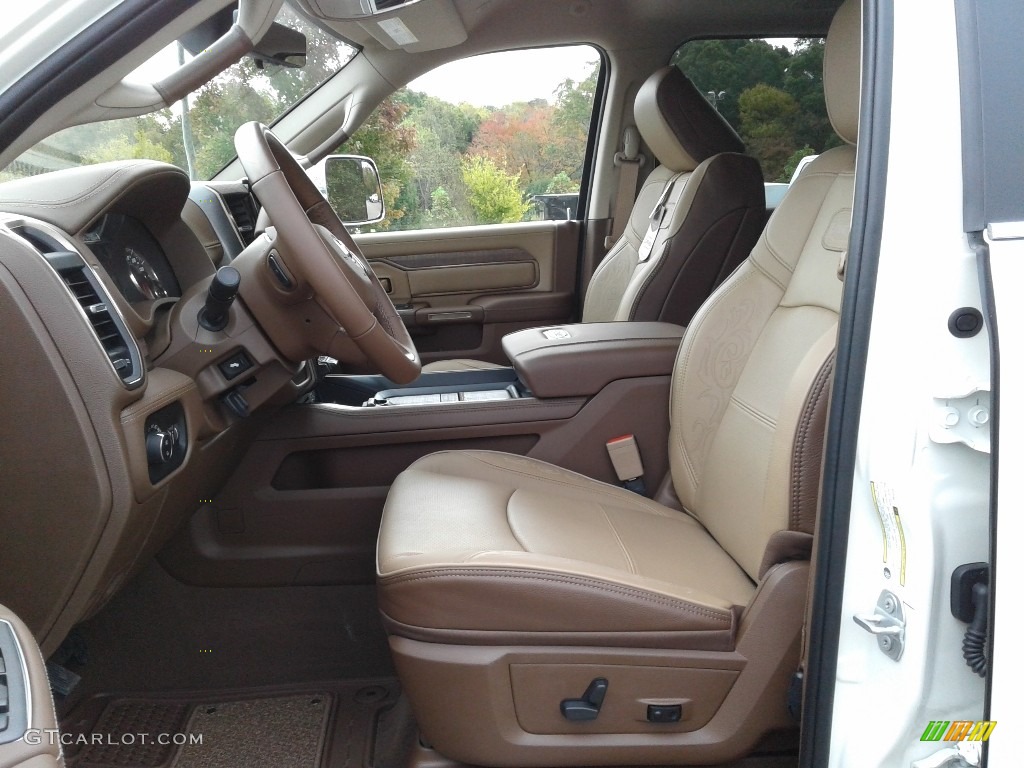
[(159, 447)]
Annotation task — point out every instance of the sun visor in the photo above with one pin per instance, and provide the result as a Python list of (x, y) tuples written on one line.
[(426, 25)]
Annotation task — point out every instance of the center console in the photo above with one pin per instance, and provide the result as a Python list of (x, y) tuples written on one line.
[(576, 360), (325, 465), (434, 388)]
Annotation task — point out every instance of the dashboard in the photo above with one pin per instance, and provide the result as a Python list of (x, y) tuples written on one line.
[(132, 258), (122, 412)]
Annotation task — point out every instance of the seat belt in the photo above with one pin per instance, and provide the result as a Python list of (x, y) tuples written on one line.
[(629, 162), (629, 467), (656, 223)]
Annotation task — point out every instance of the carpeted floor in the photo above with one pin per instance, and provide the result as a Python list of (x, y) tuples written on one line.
[(357, 724), (159, 635)]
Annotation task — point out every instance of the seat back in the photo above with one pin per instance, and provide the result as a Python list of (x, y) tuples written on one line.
[(712, 197), (752, 353)]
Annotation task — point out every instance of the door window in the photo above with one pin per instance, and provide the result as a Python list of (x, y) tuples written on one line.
[(493, 139)]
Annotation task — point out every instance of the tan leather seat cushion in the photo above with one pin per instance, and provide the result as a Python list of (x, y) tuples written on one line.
[(477, 542)]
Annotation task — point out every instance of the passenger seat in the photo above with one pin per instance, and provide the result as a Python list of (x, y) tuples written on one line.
[(703, 207)]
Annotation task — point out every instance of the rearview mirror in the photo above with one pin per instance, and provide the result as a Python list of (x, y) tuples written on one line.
[(353, 189), (281, 46)]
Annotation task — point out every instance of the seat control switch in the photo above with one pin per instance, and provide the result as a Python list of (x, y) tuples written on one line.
[(588, 706), (664, 713)]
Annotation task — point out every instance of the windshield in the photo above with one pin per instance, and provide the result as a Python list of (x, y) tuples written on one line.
[(197, 133)]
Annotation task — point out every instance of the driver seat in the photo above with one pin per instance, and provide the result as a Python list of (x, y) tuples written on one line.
[(540, 617)]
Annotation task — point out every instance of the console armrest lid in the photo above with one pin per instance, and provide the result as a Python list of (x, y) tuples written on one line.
[(581, 359)]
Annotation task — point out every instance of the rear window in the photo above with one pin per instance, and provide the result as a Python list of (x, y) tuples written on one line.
[(770, 91)]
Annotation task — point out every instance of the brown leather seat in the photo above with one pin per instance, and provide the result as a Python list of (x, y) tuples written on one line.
[(509, 585), (714, 211)]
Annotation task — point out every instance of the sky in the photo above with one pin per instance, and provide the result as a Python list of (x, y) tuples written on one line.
[(498, 79)]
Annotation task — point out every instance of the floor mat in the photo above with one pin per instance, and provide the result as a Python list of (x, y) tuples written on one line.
[(262, 733), (335, 725)]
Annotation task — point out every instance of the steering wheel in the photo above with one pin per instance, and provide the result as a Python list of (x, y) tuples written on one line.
[(324, 255)]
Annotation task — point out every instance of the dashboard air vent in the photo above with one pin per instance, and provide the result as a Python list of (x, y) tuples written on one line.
[(244, 213), (92, 298), (97, 311)]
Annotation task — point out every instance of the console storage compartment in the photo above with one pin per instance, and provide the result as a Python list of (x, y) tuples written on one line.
[(581, 359)]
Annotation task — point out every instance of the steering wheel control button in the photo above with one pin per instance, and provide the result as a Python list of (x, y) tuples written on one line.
[(664, 713), (235, 365), (279, 272), (219, 298)]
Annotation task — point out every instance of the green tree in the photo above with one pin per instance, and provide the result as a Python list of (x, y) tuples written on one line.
[(384, 138), (803, 81), (442, 213), (767, 116), (443, 132), (794, 160), (737, 66), (494, 194), (561, 184), (217, 112), (123, 147), (731, 66), (574, 109)]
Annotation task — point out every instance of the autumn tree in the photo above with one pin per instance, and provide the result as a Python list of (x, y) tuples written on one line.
[(384, 138), (494, 194), (518, 139), (443, 133)]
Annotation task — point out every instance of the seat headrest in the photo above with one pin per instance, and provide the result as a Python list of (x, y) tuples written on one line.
[(679, 124), (842, 71)]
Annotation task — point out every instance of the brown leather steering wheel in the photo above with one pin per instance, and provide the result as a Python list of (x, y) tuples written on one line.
[(324, 254)]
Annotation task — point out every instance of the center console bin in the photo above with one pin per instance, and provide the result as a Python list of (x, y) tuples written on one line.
[(434, 387), (581, 359)]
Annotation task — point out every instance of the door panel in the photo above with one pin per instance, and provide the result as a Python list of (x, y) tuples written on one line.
[(459, 290)]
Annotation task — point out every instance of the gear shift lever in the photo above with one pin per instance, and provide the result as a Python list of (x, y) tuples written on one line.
[(223, 289)]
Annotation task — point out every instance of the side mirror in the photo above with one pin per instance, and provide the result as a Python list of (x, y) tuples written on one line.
[(353, 189)]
